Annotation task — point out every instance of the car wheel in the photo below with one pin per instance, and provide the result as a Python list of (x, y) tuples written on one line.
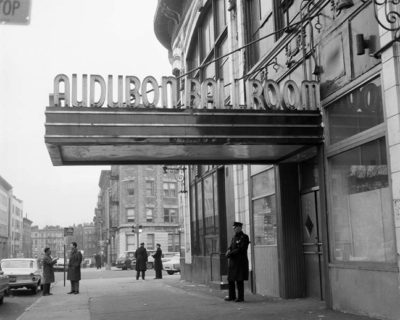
[(170, 272), (150, 265), (1, 299), (34, 290)]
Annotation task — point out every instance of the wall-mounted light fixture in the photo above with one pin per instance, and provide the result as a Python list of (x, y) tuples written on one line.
[(179, 173), (362, 44)]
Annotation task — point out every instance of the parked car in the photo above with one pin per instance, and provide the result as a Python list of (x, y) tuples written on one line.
[(172, 263), (150, 259), (126, 261), (59, 266), (22, 273), (4, 284)]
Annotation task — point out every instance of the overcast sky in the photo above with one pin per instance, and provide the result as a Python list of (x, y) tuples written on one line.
[(65, 36)]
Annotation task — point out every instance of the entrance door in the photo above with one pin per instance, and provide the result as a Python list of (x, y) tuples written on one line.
[(312, 245)]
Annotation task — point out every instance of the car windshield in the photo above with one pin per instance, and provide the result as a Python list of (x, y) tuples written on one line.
[(17, 264)]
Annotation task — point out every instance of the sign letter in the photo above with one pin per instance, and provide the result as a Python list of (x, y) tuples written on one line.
[(254, 94), (75, 102), (156, 90), (132, 95), (110, 97), (99, 80), (58, 96)]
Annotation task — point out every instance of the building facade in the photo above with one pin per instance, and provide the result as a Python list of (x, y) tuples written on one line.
[(16, 228), (27, 238), (138, 204), (324, 220), (5, 198), (49, 236)]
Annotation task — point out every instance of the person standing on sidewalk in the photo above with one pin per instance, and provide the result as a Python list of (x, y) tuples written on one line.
[(141, 261), (48, 271), (74, 268), (158, 262), (238, 263)]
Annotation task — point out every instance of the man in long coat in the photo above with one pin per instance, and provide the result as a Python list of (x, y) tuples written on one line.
[(74, 268), (158, 262), (238, 263), (141, 261), (48, 271)]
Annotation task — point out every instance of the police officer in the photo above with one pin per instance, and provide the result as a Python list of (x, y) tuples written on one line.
[(238, 263)]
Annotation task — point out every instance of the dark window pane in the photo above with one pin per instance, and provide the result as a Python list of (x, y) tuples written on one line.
[(358, 111)]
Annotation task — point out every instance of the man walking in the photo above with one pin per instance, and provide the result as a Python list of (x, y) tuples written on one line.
[(74, 268), (238, 263), (48, 271), (141, 261), (158, 262)]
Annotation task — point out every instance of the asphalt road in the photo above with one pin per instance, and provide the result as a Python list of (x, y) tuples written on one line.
[(19, 300)]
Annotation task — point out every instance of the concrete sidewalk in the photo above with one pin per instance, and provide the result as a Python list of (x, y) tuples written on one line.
[(168, 299)]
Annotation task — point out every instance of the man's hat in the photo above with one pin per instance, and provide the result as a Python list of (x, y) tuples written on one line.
[(237, 224), (142, 244)]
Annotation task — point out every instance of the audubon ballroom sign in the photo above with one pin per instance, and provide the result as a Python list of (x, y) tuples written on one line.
[(129, 121), (131, 92)]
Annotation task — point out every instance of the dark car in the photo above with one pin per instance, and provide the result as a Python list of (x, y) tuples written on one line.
[(126, 261)]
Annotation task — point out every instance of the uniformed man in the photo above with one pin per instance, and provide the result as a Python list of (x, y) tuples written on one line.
[(238, 263)]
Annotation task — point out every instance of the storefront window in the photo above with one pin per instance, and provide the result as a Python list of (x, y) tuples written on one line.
[(361, 205), (357, 111), (264, 208)]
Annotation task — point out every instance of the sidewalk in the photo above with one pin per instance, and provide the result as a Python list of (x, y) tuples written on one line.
[(168, 299)]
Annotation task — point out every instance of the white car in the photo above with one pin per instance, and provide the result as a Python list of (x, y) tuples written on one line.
[(59, 265), (22, 273), (172, 264), (3, 286)]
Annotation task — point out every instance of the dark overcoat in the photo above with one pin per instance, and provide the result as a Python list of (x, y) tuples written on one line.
[(74, 265), (48, 270), (141, 259), (157, 260), (238, 263)]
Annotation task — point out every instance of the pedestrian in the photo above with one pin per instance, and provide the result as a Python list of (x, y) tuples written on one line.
[(48, 271), (158, 262), (141, 261), (238, 263), (74, 268), (97, 258)]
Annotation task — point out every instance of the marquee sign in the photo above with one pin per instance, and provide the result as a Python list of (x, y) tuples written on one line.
[(128, 121), (131, 92)]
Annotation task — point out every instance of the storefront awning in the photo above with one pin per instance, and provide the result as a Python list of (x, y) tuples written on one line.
[(104, 136)]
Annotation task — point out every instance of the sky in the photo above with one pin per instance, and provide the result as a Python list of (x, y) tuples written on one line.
[(65, 36)]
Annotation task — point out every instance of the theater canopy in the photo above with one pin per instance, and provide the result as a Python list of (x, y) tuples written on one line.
[(150, 126)]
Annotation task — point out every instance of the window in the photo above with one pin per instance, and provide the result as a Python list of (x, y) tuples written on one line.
[(149, 214), (150, 190), (210, 43), (264, 18), (264, 208), (130, 242), (150, 241), (360, 199), (169, 189), (130, 187), (170, 215), (173, 242), (130, 214), (357, 111)]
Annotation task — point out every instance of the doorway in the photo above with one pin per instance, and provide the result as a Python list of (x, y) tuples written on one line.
[(311, 229)]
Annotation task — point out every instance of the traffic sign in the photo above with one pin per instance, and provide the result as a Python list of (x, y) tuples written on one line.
[(15, 11), (68, 231)]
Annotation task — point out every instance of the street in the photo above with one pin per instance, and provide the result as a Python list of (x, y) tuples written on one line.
[(116, 294), (16, 303)]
